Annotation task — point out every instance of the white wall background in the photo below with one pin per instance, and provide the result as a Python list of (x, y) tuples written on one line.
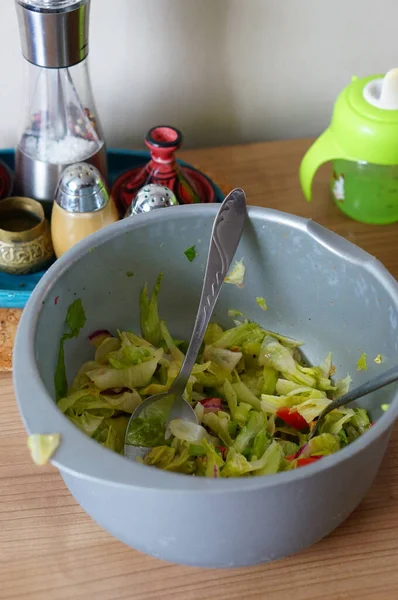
[(223, 71)]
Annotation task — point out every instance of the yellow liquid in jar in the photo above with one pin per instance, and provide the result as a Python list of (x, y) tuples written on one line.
[(67, 229)]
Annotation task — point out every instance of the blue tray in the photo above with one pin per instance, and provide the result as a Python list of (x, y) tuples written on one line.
[(15, 290)]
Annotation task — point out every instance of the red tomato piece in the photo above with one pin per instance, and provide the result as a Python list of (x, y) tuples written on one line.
[(223, 451), (292, 418), (212, 404), (302, 462)]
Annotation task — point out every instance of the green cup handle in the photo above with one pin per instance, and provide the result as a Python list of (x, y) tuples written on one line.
[(324, 149)]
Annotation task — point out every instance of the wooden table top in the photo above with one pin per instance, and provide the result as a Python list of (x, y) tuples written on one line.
[(50, 548)]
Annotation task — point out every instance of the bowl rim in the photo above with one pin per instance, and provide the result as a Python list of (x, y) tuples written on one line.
[(80, 456)]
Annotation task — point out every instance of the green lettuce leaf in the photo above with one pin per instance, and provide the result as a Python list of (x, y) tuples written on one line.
[(75, 321), (135, 340), (260, 444), (253, 380), (86, 421), (256, 422), (213, 333), (326, 366), (187, 431), (191, 253), (323, 444), (81, 379), (271, 404), (311, 409), (270, 462), (242, 413), (273, 354), (160, 457), (270, 378), (42, 446), (245, 395), (175, 352), (237, 336), (237, 465), (261, 302), (199, 412), (283, 339), (357, 425), (213, 462), (128, 356), (109, 344), (182, 462), (91, 399), (218, 424), (150, 322), (231, 397), (288, 447), (342, 387), (111, 433), (222, 357), (237, 274), (335, 420), (135, 376)]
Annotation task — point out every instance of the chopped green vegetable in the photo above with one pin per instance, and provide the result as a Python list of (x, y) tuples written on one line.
[(191, 253), (42, 446), (129, 273), (323, 444), (254, 397), (235, 313), (261, 302), (378, 359), (361, 364), (75, 321), (237, 274), (150, 322), (342, 387), (385, 407)]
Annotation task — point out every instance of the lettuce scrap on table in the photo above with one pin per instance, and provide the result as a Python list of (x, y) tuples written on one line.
[(255, 399)]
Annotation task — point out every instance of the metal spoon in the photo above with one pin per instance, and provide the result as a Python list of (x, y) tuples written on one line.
[(366, 388), (227, 231)]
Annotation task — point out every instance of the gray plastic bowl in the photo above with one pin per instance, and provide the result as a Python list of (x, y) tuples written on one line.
[(318, 287)]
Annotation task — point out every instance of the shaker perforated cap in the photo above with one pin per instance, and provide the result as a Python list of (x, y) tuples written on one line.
[(81, 189)]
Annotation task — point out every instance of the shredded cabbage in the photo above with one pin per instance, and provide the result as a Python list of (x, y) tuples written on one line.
[(255, 399), (42, 446)]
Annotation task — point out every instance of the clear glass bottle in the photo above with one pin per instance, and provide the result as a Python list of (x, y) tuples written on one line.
[(61, 124)]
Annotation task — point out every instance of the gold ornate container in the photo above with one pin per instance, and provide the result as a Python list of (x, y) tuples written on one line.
[(25, 238)]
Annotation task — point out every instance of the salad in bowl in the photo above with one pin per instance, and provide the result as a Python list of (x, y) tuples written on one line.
[(255, 397)]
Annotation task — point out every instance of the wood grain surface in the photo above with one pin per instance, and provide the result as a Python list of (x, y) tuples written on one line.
[(49, 548), (9, 319)]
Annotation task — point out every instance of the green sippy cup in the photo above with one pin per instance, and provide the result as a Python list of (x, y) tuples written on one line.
[(362, 142)]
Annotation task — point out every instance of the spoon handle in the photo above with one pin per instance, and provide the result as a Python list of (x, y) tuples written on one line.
[(366, 388), (227, 230)]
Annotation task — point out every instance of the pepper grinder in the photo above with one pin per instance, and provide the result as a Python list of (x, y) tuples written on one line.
[(82, 206), (61, 126)]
